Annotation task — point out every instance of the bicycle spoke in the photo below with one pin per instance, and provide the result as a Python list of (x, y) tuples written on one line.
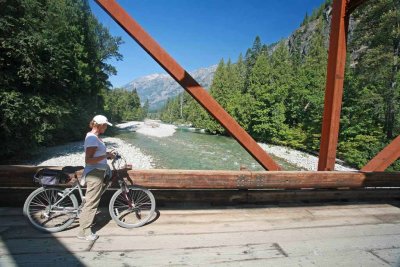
[(133, 208), (40, 200), (45, 215), (142, 197)]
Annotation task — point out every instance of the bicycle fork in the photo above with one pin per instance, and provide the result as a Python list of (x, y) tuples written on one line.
[(125, 190)]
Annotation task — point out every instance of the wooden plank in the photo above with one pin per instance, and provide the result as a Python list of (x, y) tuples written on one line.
[(326, 179), (179, 179), (388, 255), (290, 240), (46, 245), (313, 196), (246, 236), (15, 197), (192, 256)]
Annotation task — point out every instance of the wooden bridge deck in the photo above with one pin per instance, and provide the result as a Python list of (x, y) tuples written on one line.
[(299, 235), (290, 233)]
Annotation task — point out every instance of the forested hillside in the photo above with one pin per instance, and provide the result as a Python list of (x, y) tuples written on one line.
[(277, 92), (54, 75)]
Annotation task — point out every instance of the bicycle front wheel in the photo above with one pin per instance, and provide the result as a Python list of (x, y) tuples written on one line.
[(43, 214), (132, 207)]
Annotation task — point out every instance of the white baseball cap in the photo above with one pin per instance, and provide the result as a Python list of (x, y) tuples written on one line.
[(100, 119)]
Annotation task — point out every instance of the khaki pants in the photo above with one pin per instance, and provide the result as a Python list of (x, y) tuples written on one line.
[(94, 186)]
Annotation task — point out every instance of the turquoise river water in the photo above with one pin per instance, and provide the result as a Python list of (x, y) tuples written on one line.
[(196, 151)]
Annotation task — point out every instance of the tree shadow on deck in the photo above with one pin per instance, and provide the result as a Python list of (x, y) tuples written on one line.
[(22, 245)]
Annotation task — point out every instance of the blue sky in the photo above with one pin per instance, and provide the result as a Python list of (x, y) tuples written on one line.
[(198, 33)]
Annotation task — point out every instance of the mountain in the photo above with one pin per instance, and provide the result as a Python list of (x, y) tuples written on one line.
[(157, 88), (300, 39)]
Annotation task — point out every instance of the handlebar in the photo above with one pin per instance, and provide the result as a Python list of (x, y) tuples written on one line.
[(119, 157)]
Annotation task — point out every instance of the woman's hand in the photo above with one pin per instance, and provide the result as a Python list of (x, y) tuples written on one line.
[(110, 155)]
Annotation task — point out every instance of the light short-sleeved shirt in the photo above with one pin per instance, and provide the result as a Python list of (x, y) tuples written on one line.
[(93, 140)]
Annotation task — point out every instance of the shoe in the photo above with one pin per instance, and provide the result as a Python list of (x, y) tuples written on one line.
[(89, 237)]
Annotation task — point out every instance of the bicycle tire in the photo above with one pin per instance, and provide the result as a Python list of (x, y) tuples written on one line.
[(36, 209), (140, 213)]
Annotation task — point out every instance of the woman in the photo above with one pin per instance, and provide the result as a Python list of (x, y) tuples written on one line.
[(96, 168)]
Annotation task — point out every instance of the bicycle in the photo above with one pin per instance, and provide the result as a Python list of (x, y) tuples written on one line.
[(52, 208)]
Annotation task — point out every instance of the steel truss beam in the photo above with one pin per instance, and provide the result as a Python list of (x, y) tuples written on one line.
[(334, 86), (384, 158)]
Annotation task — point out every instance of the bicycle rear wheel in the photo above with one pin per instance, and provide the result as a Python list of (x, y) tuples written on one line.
[(41, 212), (133, 207)]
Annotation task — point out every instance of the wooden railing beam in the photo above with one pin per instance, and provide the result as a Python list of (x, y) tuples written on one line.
[(21, 176)]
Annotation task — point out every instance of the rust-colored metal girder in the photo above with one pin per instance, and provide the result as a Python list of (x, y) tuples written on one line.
[(334, 86), (187, 82), (384, 158)]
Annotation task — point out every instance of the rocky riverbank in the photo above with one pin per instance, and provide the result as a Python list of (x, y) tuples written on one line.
[(302, 160), (149, 127), (72, 154)]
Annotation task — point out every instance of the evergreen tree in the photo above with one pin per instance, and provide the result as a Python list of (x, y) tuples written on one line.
[(378, 66), (252, 55), (122, 105), (281, 82), (260, 104), (237, 107), (308, 97), (220, 92)]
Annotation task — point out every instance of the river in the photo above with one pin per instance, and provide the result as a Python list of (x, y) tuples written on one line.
[(186, 149)]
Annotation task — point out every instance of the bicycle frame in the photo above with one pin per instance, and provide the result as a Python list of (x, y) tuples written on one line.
[(115, 177)]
